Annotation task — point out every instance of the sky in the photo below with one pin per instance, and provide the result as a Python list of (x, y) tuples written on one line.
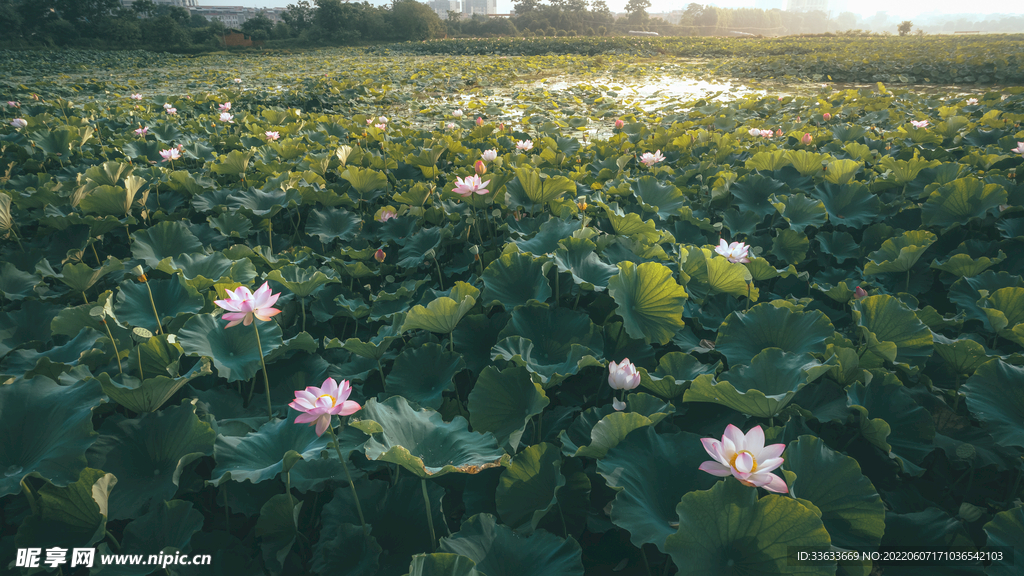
[(896, 8)]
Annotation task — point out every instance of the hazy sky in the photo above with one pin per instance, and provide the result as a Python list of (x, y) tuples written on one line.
[(864, 7)]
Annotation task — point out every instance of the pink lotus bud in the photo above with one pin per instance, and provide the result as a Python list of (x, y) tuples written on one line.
[(826, 116), (480, 167), (619, 124), (479, 121), (859, 293), (379, 255), (807, 139), (501, 126), (778, 133)]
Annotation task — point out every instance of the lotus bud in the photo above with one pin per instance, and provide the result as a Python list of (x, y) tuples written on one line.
[(807, 139), (480, 167), (859, 293), (501, 126), (619, 124), (379, 255), (778, 133), (479, 121), (826, 116)]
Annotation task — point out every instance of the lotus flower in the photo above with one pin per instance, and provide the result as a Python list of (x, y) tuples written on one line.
[(19, 123), (754, 132), (479, 121), (826, 116), (746, 458), (470, 185), (380, 126), (778, 133), (379, 255), (13, 104), (320, 404), (806, 139), (623, 376), (136, 96), (225, 107), (382, 119), (479, 167), (501, 126), (735, 252), (167, 105), (524, 145), (971, 101), (457, 113), (859, 293), (238, 80), (489, 155), (1019, 149), (767, 133), (919, 124), (369, 121), (619, 124), (172, 154), (225, 117), (449, 126), (141, 130), (242, 305), (387, 213), (172, 111), (272, 135), (648, 159)]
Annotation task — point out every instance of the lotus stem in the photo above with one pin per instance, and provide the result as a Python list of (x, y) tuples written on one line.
[(266, 379), (117, 545), (430, 518), (288, 489), (227, 510), (117, 354), (956, 393), (94, 253), (302, 306), (479, 224), (906, 285), (558, 287), (351, 484), (17, 239), (84, 297), (440, 278), (32, 499), (159, 330), (380, 369), (577, 302), (643, 555)]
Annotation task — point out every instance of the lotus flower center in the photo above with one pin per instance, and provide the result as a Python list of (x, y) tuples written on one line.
[(732, 461), (333, 400)]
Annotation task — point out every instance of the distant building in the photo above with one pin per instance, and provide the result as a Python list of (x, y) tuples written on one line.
[(807, 5), (482, 7), (179, 3), (442, 7), (234, 16)]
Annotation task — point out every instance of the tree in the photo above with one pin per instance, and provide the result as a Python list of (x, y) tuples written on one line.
[(412, 20), (523, 6), (904, 27), (258, 27), (298, 16), (637, 11)]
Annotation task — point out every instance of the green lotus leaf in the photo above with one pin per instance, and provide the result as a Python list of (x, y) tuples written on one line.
[(931, 527), (790, 246), (16, 284), (841, 172), (994, 394), (1004, 310), (1011, 228), (414, 253), (372, 350), (908, 430), (396, 512), (649, 301), (202, 271), (231, 224), (808, 163), (498, 551), (422, 443), (741, 222), (770, 161), (608, 432), (167, 527), (171, 296), (234, 163), (675, 370), (277, 528), (801, 212), (851, 509), (37, 322), (346, 550), (892, 330), (851, 204), (264, 454), (962, 356), (654, 196), (148, 150), (46, 429), (502, 402), (961, 201), (300, 281), (651, 472), (744, 335), (333, 224), (365, 181), (724, 277), (753, 194), (551, 342), (904, 171), (53, 362), (1005, 529), (80, 277), (69, 517), (750, 538), (421, 374), (547, 238), (147, 470), (113, 200), (577, 257), (761, 389), (531, 189), (967, 291), (233, 351), (529, 486), (164, 240), (262, 203), (55, 142), (515, 279), (963, 265), (760, 269), (150, 394), (108, 173), (899, 254), (442, 314), (441, 564), (633, 226)]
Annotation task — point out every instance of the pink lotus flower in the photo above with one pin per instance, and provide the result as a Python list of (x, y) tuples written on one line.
[(648, 159), (524, 145), (919, 124), (172, 111), (238, 80), (457, 113), (225, 107), (242, 305), (746, 458), (471, 185), (13, 104), (489, 155), (320, 404), (623, 376), (225, 117), (859, 293), (172, 154), (369, 121), (767, 133), (1019, 149), (826, 116), (379, 255), (806, 139), (141, 130), (272, 135), (971, 101), (735, 252), (619, 124), (136, 96), (19, 123), (380, 126), (479, 167), (479, 121), (449, 126), (387, 213)]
